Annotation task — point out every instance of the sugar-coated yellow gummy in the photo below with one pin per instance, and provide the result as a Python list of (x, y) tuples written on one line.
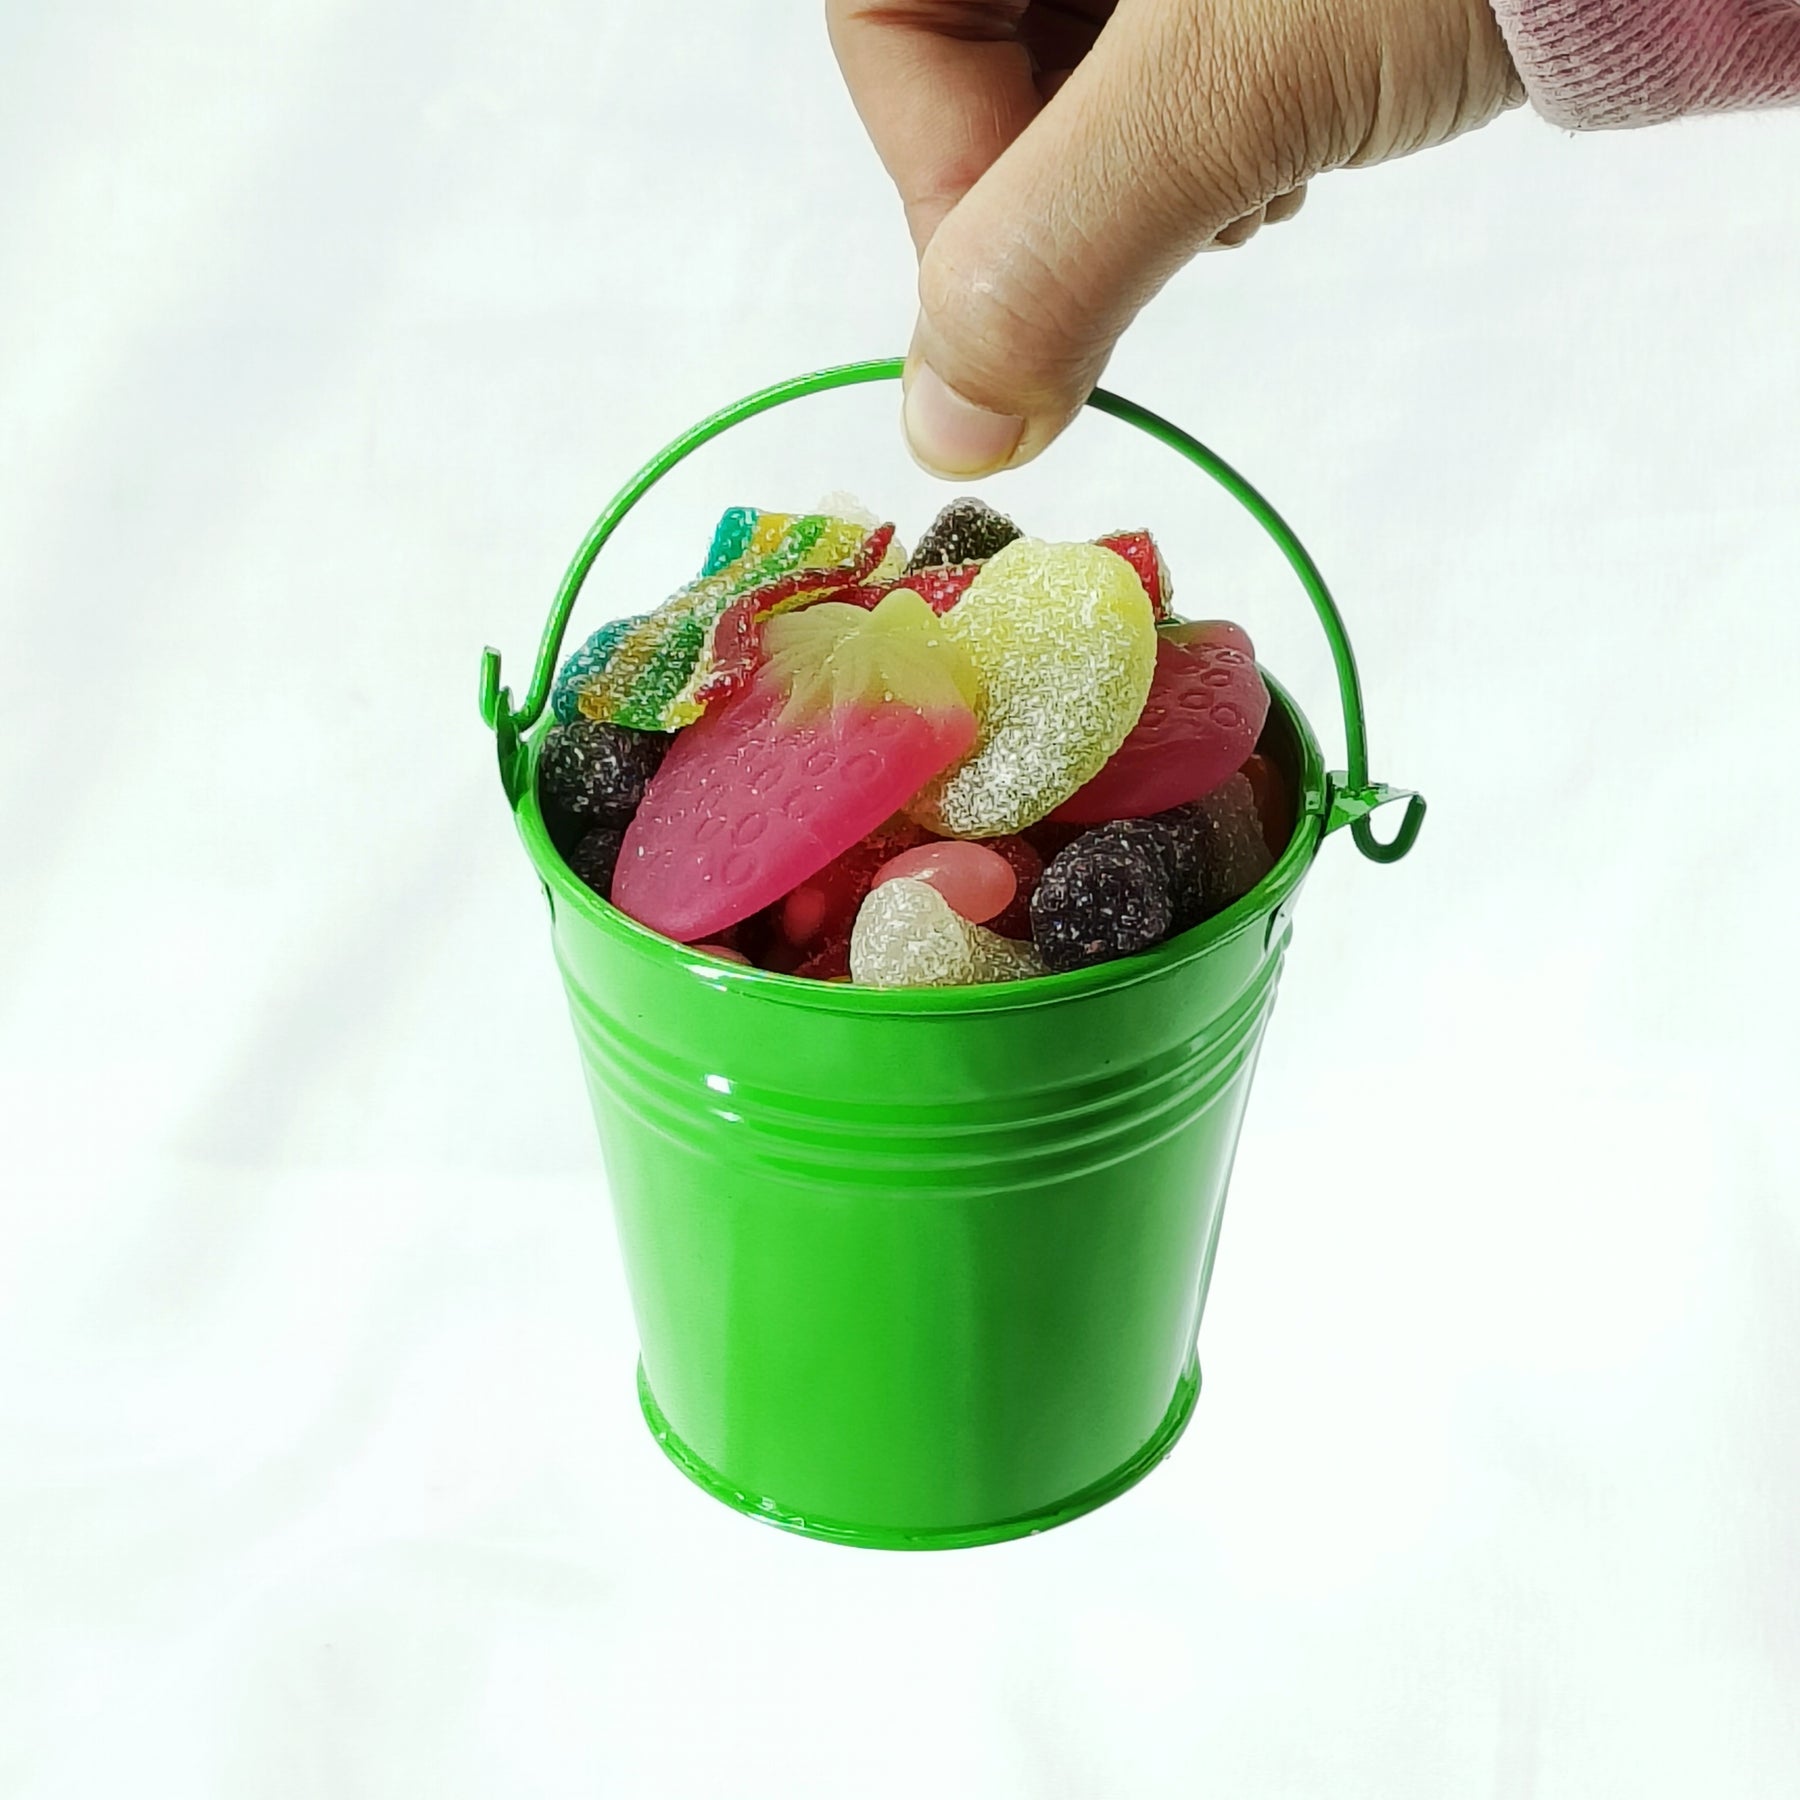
[(907, 935), (1063, 642), (832, 654)]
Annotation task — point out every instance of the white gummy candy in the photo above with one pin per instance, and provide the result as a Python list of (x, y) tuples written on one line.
[(907, 935)]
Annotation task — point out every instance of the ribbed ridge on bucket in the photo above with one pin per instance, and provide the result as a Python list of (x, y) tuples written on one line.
[(841, 1133)]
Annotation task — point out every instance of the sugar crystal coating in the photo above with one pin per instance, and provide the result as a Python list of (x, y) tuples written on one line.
[(1104, 896), (908, 935), (581, 667), (1063, 644), (653, 674), (595, 773), (966, 531)]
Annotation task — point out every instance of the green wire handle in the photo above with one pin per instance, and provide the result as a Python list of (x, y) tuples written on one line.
[(1353, 796)]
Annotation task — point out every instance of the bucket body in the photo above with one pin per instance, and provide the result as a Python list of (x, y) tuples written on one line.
[(925, 1268), (922, 1268)]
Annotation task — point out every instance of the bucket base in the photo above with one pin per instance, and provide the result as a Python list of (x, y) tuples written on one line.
[(883, 1537)]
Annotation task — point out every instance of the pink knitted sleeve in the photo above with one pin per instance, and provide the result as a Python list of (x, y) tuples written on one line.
[(1589, 64)]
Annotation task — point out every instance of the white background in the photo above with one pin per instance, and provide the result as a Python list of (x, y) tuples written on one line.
[(324, 331)]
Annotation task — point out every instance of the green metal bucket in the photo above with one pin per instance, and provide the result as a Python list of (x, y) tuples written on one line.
[(925, 1268)]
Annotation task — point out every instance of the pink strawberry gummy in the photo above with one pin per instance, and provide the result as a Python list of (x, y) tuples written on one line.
[(1206, 709), (850, 716)]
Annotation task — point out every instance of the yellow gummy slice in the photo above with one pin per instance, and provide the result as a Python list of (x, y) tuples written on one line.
[(1063, 642), (832, 654)]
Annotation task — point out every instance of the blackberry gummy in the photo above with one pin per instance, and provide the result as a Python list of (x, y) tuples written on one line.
[(1106, 895), (595, 858), (1234, 854), (966, 531), (595, 774)]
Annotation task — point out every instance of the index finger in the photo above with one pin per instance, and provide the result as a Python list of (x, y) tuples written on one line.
[(942, 87)]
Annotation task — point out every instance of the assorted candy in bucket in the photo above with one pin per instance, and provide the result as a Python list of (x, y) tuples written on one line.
[(992, 759)]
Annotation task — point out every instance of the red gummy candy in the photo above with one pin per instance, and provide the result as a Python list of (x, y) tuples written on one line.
[(1015, 921), (746, 805), (824, 904), (1139, 549), (1203, 717), (940, 589), (1274, 804)]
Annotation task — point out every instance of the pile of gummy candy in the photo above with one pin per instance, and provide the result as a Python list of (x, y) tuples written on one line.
[(992, 759)]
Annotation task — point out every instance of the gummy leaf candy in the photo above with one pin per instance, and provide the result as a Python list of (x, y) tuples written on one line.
[(1139, 549), (966, 531), (1106, 895), (651, 678), (1205, 712), (830, 655), (907, 935), (1063, 643), (581, 666), (978, 884), (771, 785), (735, 650)]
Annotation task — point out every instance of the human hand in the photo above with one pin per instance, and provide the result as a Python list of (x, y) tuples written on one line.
[(1059, 160)]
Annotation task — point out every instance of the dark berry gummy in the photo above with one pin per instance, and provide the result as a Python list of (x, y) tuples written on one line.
[(595, 858), (593, 773), (1104, 896), (1234, 855), (966, 531)]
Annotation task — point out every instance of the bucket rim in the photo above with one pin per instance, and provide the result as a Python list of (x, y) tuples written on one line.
[(565, 889)]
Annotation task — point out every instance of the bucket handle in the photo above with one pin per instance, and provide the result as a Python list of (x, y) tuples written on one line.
[(1352, 797)]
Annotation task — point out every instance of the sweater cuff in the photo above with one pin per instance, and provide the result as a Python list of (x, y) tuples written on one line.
[(1597, 64)]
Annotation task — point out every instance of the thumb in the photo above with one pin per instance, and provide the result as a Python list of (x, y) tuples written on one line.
[(1160, 142)]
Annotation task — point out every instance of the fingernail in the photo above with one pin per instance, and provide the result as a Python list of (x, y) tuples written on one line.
[(951, 435)]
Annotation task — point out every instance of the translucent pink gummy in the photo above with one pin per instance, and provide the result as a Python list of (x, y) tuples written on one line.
[(977, 883), (1205, 712), (746, 807)]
